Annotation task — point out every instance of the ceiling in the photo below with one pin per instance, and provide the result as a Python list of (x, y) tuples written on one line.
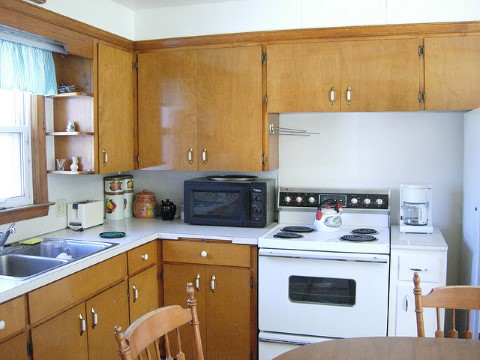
[(152, 4)]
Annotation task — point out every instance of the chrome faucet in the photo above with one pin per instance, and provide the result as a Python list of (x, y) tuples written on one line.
[(4, 235)]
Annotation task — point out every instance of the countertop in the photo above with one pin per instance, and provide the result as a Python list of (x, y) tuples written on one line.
[(138, 232), (433, 241)]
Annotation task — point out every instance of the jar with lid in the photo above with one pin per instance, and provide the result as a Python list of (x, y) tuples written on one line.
[(145, 205)]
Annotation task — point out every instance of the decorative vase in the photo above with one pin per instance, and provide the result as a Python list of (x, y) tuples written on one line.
[(74, 166)]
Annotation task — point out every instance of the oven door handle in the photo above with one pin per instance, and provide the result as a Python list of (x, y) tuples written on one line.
[(280, 341), (313, 256)]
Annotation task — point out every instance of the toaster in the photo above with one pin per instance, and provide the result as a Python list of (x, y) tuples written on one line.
[(85, 214)]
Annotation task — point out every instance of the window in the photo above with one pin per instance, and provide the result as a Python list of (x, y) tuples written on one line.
[(15, 147)]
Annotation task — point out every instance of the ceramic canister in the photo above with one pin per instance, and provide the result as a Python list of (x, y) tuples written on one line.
[(127, 182), (128, 201), (113, 185), (145, 205), (114, 206)]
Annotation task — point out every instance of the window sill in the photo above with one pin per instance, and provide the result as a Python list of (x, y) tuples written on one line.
[(24, 213)]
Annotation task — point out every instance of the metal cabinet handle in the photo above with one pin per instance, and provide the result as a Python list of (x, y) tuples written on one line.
[(94, 318), (418, 269), (145, 257), (204, 156), (190, 156), (332, 95), (135, 293), (203, 253), (197, 282), (348, 95), (83, 325), (105, 157), (212, 283), (405, 303)]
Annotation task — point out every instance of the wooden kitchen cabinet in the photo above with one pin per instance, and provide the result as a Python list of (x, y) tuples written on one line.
[(363, 75), (13, 321), (86, 330), (115, 96), (201, 109), (452, 74), (426, 254), (225, 285)]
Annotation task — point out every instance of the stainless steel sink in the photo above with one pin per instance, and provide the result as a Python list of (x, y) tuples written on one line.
[(24, 266), (28, 261), (65, 248)]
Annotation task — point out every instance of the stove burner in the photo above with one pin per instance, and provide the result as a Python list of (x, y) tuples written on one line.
[(298, 229), (357, 237), (364, 231), (287, 235)]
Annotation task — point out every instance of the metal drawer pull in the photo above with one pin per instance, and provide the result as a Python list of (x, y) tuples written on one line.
[(135, 293), (212, 283), (406, 303), (83, 325), (203, 253), (2, 324), (204, 156), (94, 318), (348, 95), (197, 282), (190, 156), (105, 157), (332, 95), (418, 269), (145, 257)]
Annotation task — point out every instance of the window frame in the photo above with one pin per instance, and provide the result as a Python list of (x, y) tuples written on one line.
[(40, 204)]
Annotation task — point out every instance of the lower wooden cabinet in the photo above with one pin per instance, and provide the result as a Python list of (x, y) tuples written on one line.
[(84, 331), (15, 348), (143, 289), (13, 335), (225, 295)]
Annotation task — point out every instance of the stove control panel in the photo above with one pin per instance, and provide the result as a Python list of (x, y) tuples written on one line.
[(351, 199)]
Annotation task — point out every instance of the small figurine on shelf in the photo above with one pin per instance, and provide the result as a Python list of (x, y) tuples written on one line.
[(74, 166), (70, 126)]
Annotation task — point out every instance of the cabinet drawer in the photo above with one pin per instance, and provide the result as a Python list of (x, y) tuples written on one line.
[(199, 252), (59, 295), (142, 257), (12, 317), (429, 268)]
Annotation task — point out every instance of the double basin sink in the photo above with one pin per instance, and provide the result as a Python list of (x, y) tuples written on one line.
[(30, 260)]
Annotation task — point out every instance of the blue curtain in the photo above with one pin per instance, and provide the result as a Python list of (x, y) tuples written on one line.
[(27, 68)]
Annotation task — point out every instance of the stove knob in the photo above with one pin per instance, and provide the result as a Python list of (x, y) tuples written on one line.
[(367, 201), (257, 211), (354, 201), (287, 199), (379, 202), (311, 200), (299, 199)]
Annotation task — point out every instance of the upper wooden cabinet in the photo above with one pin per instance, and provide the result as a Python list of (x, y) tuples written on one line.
[(115, 95), (363, 75), (201, 109), (452, 73)]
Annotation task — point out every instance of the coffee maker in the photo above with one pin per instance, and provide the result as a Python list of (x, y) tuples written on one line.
[(416, 209)]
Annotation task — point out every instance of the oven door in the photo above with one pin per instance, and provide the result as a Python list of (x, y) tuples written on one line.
[(322, 293)]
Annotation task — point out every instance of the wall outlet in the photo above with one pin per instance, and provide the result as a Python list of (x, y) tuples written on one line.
[(61, 208)]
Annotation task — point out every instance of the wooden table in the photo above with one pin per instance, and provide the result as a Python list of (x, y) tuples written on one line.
[(387, 348)]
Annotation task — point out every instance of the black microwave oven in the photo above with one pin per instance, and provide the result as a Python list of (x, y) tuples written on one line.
[(229, 200)]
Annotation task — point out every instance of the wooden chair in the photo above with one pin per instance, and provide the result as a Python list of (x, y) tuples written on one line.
[(151, 327), (446, 297)]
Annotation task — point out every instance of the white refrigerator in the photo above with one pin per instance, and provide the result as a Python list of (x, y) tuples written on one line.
[(470, 257)]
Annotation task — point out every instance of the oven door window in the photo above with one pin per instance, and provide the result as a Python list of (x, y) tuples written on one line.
[(322, 290)]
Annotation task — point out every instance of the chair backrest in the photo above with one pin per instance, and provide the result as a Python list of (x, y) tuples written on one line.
[(446, 297), (143, 337)]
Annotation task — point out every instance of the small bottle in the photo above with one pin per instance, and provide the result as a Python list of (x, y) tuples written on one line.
[(74, 166)]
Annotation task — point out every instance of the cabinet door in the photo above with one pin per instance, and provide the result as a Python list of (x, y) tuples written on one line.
[(303, 77), (143, 289), (167, 110), (15, 348), (176, 278), (104, 312), (62, 337), (452, 74), (116, 130), (382, 75), (228, 313), (230, 109)]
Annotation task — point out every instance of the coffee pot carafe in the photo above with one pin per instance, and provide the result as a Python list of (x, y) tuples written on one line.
[(416, 209)]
